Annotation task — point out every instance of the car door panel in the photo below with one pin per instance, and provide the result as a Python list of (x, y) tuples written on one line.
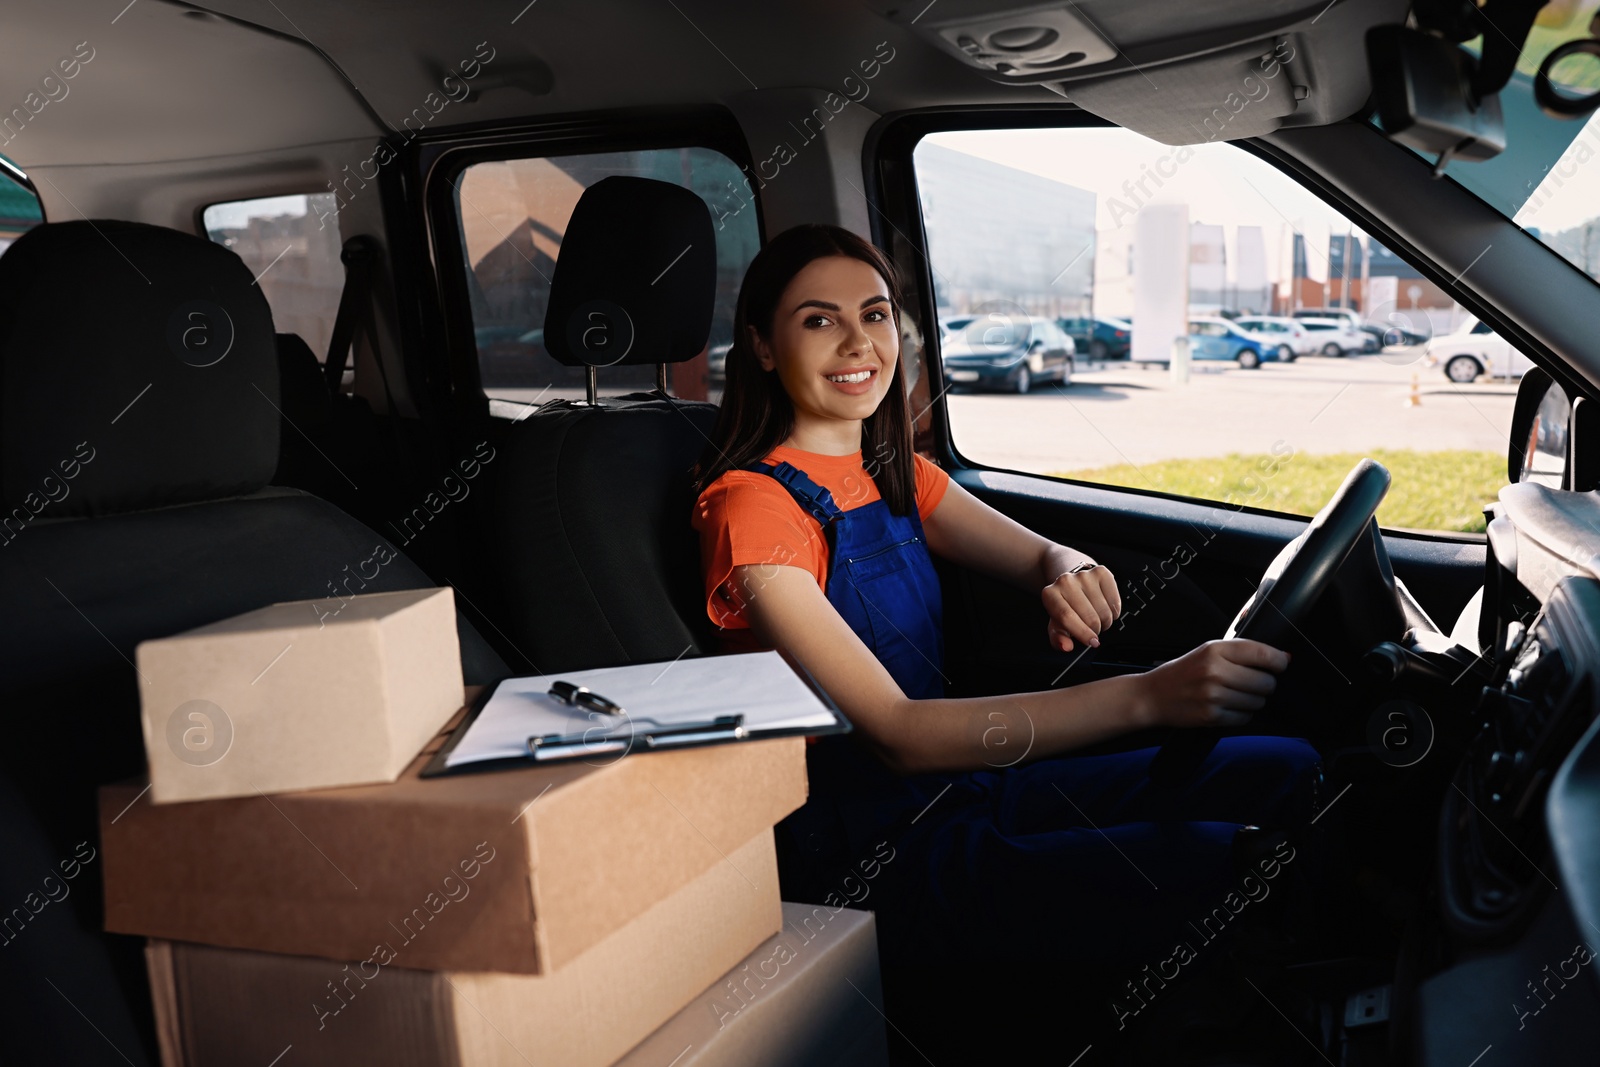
[(1184, 569)]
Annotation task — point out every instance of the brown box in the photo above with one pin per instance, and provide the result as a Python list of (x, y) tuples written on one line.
[(304, 695), (518, 871), (809, 995), (226, 1006)]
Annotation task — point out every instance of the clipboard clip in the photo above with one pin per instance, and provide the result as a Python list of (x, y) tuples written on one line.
[(545, 747)]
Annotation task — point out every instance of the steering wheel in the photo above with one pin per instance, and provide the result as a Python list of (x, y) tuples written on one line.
[(1293, 582)]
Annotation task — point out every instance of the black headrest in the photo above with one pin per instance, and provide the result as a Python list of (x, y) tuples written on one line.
[(138, 369), (636, 277)]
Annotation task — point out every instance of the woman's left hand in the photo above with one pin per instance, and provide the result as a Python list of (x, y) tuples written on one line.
[(1081, 605)]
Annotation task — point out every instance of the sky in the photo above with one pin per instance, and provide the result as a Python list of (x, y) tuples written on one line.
[(1221, 183), (1570, 192)]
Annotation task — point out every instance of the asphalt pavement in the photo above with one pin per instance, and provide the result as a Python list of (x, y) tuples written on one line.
[(1119, 413)]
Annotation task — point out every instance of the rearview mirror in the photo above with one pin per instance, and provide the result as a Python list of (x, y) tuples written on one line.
[(1423, 88)]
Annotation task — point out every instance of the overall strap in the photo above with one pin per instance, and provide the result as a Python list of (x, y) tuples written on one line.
[(813, 498)]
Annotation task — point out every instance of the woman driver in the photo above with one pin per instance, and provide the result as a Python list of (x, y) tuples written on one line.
[(816, 522)]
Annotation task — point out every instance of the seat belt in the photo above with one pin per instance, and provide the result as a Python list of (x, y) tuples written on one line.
[(355, 307), (353, 319)]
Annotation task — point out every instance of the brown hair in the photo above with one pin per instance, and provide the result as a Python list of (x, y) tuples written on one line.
[(757, 415)]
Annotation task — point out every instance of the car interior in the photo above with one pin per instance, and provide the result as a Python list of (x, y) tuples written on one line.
[(387, 397)]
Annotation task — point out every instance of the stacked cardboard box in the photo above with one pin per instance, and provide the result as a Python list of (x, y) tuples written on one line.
[(546, 914)]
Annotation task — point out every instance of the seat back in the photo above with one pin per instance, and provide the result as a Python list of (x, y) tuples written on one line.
[(590, 558), (588, 536), (139, 417)]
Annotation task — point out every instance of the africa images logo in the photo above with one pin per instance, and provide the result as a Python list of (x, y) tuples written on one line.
[(200, 333)]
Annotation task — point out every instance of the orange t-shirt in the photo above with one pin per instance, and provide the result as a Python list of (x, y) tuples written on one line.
[(745, 517)]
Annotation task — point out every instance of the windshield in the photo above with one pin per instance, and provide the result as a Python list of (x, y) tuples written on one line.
[(1548, 180)]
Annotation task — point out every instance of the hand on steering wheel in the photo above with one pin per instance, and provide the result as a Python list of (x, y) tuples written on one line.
[(1221, 683), (1292, 583)]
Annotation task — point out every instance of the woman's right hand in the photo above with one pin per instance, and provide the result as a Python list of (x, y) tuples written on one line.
[(1221, 683)]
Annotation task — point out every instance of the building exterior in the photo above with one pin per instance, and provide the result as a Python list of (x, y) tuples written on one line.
[(1354, 263), (1000, 234)]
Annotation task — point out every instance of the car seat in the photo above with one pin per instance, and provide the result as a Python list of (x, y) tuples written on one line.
[(139, 426), (589, 553)]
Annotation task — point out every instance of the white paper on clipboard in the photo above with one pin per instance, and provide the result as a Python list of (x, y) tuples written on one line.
[(758, 685)]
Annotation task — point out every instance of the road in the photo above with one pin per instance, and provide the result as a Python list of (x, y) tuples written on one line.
[(1116, 413)]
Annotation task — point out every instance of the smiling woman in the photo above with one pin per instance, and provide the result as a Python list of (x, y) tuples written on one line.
[(811, 550)]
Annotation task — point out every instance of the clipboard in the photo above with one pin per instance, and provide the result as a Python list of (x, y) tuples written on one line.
[(609, 740)]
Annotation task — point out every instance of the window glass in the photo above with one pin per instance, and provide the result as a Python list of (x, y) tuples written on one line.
[(20, 210), (1546, 180), (291, 245), (512, 215), (1365, 356)]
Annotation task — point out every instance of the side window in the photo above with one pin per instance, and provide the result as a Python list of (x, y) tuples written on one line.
[(291, 244), (512, 214), (1103, 223), (20, 210)]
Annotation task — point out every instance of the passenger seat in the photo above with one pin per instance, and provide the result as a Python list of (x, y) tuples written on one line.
[(590, 559), (138, 433)]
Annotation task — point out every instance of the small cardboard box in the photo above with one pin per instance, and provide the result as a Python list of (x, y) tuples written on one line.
[(310, 694), (218, 1006), (809, 995), (518, 870)]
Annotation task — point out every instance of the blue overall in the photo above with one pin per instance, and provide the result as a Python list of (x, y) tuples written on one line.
[(1067, 859)]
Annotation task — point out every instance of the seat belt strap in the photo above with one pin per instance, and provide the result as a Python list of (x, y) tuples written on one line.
[(355, 306)]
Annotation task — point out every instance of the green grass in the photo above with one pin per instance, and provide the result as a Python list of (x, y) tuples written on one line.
[(1430, 491)]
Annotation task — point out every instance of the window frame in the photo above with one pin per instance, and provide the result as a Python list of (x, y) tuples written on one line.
[(446, 312), (895, 211)]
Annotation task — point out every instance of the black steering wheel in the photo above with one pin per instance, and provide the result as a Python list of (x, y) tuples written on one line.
[(1296, 578)]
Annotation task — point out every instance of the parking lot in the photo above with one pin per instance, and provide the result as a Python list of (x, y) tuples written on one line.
[(1115, 412)]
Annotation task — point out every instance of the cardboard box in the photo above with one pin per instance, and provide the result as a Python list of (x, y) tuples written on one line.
[(518, 871), (227, 1007), (304, 695), (809, 995)]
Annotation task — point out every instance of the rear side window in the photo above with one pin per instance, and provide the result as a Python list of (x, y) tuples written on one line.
[(20, 210), (291, 245), (512, 214)]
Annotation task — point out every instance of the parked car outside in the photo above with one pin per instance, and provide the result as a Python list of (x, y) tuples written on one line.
[(954, 324), (717, 360), (1287, 336), (1335, 337), (1100, 338), (1216, 338), (1370, 337), (999, 352), (1474, 350)]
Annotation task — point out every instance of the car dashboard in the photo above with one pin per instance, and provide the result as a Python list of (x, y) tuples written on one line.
[(1507, 973)]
